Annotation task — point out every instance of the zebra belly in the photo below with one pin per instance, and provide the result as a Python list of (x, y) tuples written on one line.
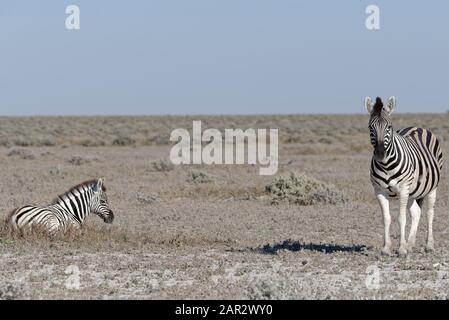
[(426, 179)]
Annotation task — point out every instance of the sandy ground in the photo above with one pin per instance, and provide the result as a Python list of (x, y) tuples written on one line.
[(221, 239)]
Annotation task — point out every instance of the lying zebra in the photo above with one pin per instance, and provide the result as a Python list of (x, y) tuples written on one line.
[(66, 211)]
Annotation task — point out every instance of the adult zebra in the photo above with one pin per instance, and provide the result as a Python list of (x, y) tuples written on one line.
[(406, 164), (67, 210)]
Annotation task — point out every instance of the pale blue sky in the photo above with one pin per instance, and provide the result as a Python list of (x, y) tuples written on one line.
[(221, 57)]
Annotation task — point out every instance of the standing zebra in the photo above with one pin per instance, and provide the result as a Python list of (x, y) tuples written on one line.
[(67, 210), (406, 164)]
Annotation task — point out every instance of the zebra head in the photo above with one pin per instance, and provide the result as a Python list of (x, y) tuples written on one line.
[(99, 202), (380, 126)]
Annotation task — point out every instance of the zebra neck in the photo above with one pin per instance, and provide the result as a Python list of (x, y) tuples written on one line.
[(76, 203)]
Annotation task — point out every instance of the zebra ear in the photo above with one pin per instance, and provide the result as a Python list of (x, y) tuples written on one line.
[(99, 185), (390, 105), (368, 104)]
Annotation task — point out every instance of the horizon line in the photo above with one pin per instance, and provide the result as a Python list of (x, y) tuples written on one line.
[(209, 115)]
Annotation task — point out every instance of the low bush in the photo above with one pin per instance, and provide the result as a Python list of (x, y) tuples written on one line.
[(21, 153), (303, 190), (198, 177), (162, 166)]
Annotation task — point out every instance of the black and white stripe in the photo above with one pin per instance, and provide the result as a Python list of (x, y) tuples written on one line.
[(406, 164), (67, 210), (412, 156)]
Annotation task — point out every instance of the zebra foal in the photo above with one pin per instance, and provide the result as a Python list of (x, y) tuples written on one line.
[(406, 164), (66, 211)]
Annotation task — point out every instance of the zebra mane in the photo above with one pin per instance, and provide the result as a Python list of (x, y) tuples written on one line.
[(77, 187), (378, 106)]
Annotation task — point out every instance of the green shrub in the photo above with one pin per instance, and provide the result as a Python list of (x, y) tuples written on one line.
[(303, 190)]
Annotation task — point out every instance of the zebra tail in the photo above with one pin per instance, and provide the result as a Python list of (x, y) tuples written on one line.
[(10, 222)]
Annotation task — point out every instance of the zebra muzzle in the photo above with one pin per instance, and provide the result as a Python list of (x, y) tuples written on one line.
[(109, 218), (379, 151)]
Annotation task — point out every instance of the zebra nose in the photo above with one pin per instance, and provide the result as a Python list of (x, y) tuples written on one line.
[(110, 217)]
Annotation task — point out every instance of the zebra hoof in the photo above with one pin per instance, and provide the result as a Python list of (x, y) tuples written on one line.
[(430, 249), (386, 252), (402, 253)]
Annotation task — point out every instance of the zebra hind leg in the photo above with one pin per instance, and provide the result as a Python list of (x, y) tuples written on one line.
[(431, 198), (414, 208), (402, 220)]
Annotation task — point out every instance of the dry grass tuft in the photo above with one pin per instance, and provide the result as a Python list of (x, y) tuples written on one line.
[(123, 141), (199, 177), (21, 153), (162, 166), (102, 238), (78, 160)]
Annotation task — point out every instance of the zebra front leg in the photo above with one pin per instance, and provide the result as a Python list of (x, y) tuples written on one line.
[(415, 213), (385, 207), (51, 225), (402, 219), (430, 212)]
